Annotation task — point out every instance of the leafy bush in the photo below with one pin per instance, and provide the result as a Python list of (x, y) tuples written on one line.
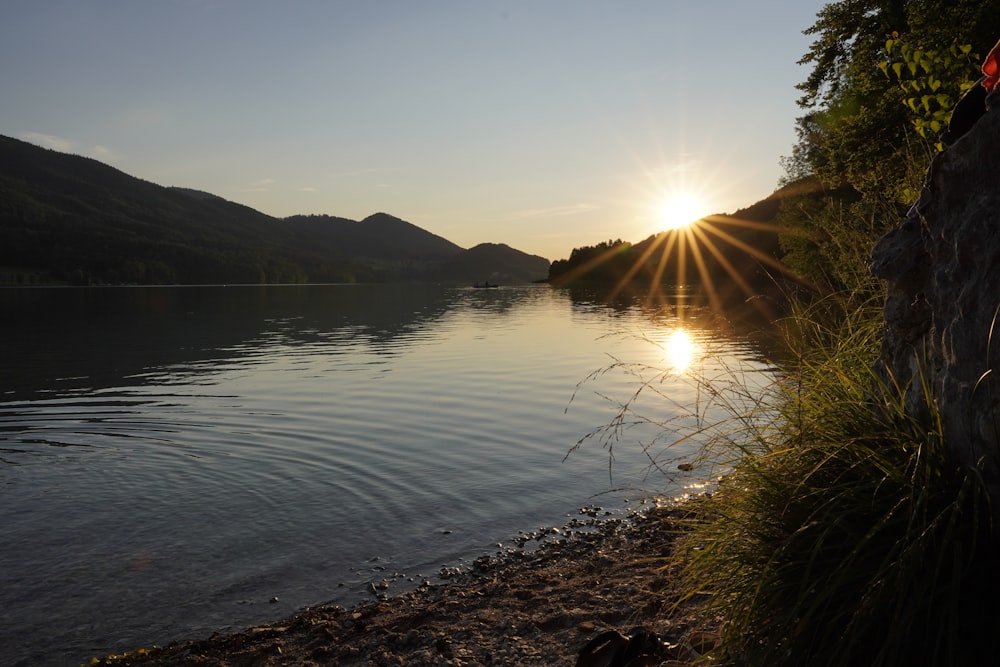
[(932, 81)]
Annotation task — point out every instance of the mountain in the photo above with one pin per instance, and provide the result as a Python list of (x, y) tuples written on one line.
[(382, 234), (492, 262), (71, 219)]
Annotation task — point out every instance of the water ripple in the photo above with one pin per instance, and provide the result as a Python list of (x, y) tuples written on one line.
[(219, 448)]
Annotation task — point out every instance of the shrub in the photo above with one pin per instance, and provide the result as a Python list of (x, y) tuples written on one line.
[(843, 534)]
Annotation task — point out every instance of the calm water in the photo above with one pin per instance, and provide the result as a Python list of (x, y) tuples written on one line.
[(173, 459)]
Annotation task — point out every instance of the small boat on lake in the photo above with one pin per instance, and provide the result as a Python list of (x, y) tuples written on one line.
[(485, 285)]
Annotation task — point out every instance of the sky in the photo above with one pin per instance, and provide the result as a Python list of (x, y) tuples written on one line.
[(543, 124)]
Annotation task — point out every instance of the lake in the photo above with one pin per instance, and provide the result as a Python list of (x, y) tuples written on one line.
[(178, 461)]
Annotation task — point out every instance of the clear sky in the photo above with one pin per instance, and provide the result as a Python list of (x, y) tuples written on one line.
[(542, 124)]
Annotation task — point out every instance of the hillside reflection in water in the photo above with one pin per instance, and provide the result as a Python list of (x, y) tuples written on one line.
[(172, 459)]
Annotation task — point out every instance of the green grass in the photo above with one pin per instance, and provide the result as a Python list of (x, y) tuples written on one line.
[(844, 534)]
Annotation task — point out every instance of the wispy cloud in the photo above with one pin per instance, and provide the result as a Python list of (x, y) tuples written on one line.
[(261, 185), (307, 188), (364, 171), (50, 141), (104, 153), (64, 145), (681, 164), (554, 211)]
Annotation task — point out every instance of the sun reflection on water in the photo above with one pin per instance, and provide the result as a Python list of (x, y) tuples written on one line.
[(680, 350)]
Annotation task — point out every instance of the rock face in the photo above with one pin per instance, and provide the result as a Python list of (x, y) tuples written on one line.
[(942, 265)]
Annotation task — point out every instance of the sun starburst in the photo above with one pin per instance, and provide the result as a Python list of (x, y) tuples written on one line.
[(721, 261), (680, 210)]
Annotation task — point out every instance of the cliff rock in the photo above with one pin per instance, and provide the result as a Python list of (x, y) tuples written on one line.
[(942, 267)]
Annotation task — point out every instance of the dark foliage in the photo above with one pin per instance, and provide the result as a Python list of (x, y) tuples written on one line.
[(857, 142)]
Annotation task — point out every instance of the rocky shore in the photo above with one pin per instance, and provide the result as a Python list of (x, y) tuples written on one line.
[(518, 607)]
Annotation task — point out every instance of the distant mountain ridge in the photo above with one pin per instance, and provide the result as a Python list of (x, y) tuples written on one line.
[(71, 219), (387, 235)]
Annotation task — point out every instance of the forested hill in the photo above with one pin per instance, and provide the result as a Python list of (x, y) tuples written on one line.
[(736, 254), (71, 219)]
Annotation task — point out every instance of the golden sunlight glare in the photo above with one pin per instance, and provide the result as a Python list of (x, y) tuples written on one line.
[(679, 210), (694, 257), (680, 350)]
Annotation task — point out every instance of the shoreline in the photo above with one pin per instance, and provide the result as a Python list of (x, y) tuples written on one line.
[(514, 608)]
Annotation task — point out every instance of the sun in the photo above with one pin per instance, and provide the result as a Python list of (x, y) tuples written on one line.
[(679, 210)]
